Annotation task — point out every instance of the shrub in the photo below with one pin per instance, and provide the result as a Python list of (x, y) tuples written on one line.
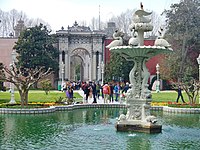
[(46, 85)]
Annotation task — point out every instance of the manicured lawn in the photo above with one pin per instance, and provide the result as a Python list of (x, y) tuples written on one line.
[(36, 96), (167, 96), (53, 96)]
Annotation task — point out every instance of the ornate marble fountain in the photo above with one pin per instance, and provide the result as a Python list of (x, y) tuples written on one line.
[(138, 98)]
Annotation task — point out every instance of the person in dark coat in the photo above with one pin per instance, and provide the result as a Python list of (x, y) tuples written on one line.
[(180, 94), (94, 92), (87, 91), (126, 87)]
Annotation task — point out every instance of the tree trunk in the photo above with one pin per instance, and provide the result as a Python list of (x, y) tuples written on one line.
[(192, 93), (35, 85), (184, 52), (24, 97)]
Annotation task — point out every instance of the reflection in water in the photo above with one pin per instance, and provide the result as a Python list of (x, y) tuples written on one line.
[(94, 129), (139, 142)]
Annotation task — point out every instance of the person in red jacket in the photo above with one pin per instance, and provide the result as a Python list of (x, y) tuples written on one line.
[(106, 92)]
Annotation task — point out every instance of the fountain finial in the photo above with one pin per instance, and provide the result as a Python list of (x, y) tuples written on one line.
[(141, 6)]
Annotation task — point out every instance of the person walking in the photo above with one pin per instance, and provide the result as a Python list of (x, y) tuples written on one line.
[(94, 92), (69, 92), (90, 91), (180, 94), (126, 87), (117, 91), (102, 91), (111, 92), (106, 92), (98, 87), (87, 92)]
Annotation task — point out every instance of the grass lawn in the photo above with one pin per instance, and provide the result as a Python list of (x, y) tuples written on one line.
[(167, 96), (36, 96), (53, 96)]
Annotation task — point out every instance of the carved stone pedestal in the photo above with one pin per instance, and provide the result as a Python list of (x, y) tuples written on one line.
[(150, 128), (138, 117)]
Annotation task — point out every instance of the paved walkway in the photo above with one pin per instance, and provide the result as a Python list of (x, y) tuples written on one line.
[(99, 101)]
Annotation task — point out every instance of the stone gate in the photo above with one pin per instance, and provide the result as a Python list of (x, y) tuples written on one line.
[(80, 53)]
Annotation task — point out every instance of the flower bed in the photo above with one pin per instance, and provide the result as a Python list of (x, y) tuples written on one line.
[(30, 105), (174, 104), (184, 105), (159, 104)]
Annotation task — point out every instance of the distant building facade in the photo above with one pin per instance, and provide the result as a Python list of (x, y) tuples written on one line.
[(7, 44)]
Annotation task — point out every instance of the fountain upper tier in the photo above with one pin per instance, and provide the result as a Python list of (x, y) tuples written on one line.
[(129, 52), (136, 48)]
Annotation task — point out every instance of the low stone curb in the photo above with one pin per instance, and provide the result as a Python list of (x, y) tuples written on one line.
[(27, 111), (157, 108), (181, 110), (52, 109)]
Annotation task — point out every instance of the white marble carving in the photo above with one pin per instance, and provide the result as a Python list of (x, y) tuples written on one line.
[(160, 41), (138, 98), (118, 41), (134, 40)]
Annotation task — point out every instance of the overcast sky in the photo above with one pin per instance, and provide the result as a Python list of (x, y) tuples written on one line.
[(64, 12)]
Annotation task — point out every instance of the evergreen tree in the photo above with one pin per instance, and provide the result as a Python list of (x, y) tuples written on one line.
[(35, 48), (183, 21), (118, 68)]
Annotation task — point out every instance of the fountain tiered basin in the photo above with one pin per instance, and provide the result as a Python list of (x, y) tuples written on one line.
[(138, 99)]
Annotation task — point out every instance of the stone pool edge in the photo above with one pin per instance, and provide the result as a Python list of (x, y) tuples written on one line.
[(52, 109)]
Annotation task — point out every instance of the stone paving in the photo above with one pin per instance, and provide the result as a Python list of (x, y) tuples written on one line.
[(100, 100)]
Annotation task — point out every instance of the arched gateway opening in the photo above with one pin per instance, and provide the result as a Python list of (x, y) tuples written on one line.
[(79, 65)]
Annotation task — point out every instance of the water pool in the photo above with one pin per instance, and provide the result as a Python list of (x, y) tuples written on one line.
[(93, 129)]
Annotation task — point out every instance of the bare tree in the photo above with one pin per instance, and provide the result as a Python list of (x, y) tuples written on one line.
[(123, 20), (191, 88), (82, 23), (23, 78), (9, 21), (94, 25), (157, 21)]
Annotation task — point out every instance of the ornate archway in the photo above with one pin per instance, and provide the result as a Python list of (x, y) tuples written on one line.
[(81, 50)]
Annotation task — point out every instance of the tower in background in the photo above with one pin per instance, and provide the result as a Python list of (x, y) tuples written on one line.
[(19, 28)]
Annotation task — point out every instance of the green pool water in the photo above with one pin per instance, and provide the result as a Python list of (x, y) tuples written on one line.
[(93, 129)]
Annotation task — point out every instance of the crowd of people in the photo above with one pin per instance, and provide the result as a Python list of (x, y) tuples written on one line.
[(110, 91)]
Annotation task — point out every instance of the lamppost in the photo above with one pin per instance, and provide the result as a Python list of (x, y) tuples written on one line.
[(98, 73), (102, 71), (198, 60), (158, 81), (62, 75), (12, 90)]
